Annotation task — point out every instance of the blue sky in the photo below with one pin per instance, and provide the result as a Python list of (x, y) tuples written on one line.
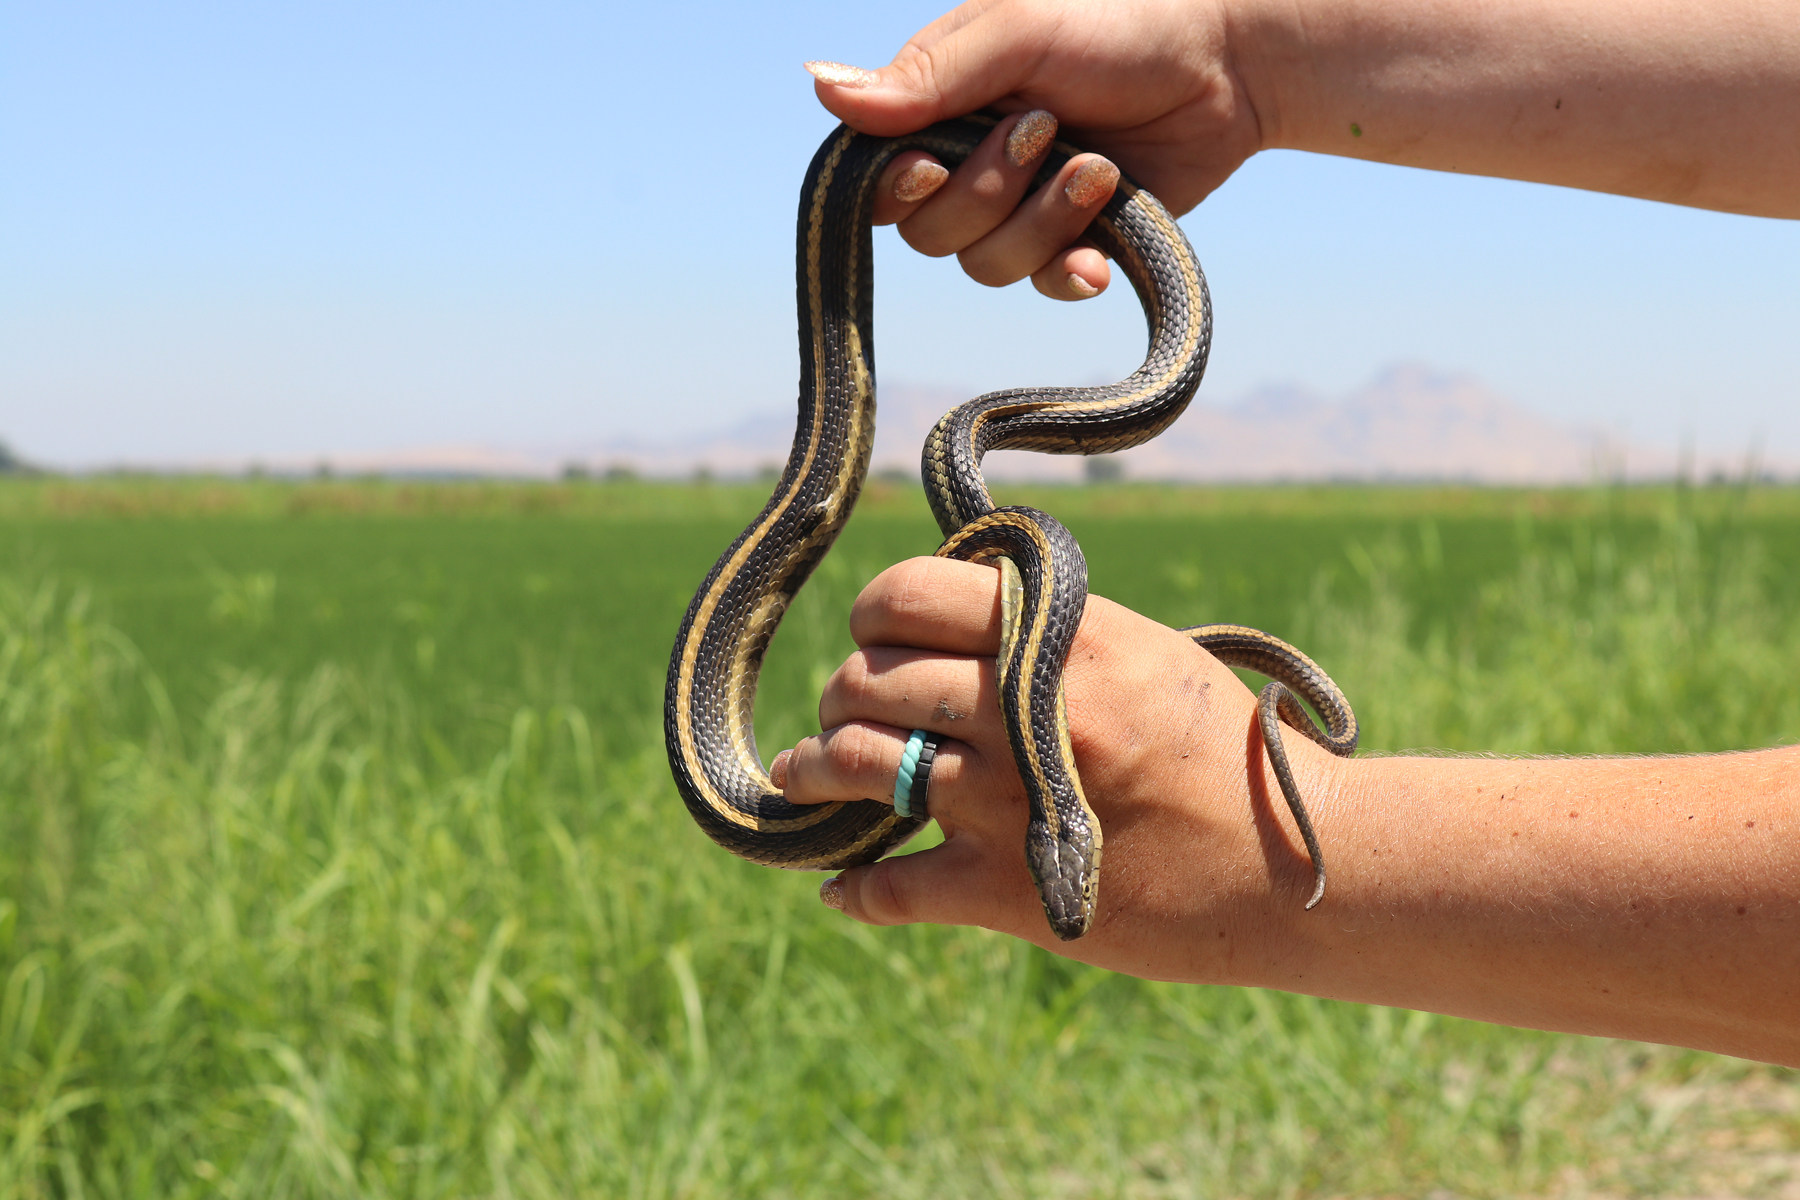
[(262, 230)]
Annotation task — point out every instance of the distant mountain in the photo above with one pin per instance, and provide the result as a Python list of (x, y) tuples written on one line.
[(1408, 423), (12, 464)]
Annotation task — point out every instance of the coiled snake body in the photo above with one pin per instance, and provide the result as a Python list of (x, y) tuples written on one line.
[(711, 690)]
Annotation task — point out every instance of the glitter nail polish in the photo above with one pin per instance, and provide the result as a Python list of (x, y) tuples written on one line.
[(839, 74), (831, 894), (919, 181), (1092, 182), (1082, 287), (1030, 137)]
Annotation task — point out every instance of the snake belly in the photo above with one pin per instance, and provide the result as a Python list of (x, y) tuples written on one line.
[(709, 700)]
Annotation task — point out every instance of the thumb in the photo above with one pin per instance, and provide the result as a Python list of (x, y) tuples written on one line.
[(961, 62), (957, 883)]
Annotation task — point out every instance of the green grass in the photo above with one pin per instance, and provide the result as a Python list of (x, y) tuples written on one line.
[(338, 857)]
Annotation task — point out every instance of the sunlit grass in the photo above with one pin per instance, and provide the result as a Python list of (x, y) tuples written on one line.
[(313, 939), (152, 496), (1681, 646)]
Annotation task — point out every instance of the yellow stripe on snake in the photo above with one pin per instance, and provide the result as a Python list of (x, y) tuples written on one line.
[(711, 691)]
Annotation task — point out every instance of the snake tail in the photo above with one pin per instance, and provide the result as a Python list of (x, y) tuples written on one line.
[(1269, 705), (1289, 672), (1044, 594)]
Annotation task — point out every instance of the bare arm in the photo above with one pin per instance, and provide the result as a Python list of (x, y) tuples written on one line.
[(1646, 898), (1695, 104), (1650, 898), (1656, 899)]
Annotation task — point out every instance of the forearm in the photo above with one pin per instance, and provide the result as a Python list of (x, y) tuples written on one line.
[(1690, 104), (1656, 899), (1650, 898)]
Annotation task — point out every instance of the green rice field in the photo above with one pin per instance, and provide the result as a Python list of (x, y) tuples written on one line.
[(338, 857)]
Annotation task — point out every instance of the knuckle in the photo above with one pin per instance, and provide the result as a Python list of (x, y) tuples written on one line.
[(863, 755), (899, 590), (857, 757), (883, 901), (851, 685), (987, 270), (927, 239), (912, 580), (836, 694), (916, 65)]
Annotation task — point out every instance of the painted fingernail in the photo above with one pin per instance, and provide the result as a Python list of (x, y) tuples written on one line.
[(778, 769), (1030, 137), (1091, 183), (919, 181), (831, 894), (1082, 287), (839, 74)]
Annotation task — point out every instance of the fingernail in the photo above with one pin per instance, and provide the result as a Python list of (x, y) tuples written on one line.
[(778, 769), (1030, 137), (1091, 183), (839, 74), (831, 893), (919, 181), (1082, 287)]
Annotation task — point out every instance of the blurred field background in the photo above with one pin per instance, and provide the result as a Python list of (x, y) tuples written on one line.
[(338, 857)]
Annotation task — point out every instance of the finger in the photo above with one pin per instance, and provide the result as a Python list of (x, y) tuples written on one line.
[(957, 64), (906, 183), (1078, 273), (946, 25), (968, 880), (939, 604), (983, 192), (910, 689), (1045, 225), (861, 761)]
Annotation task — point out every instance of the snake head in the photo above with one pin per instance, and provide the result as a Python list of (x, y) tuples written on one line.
[(1067, 880)]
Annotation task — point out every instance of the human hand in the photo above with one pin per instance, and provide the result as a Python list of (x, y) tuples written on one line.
[(1148, 88), (1201, 876), (1467, 886)]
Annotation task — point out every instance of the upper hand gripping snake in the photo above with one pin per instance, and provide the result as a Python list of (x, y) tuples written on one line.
[(713, 671)]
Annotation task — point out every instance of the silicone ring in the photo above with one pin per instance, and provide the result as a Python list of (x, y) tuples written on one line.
[(914, 773)]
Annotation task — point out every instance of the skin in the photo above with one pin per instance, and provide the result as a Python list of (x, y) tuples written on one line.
[(1656, 899), (1662, 100)]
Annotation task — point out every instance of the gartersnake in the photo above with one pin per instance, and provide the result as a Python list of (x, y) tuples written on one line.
[(713, 671)]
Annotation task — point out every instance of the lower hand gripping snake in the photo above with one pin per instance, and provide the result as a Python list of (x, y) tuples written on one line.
[(710, 697)]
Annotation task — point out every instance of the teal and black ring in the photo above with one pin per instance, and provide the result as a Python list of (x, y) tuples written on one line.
[(915, 774)]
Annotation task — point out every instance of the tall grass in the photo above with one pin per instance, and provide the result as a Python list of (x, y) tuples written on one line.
[(296, 945), (1592, 647)]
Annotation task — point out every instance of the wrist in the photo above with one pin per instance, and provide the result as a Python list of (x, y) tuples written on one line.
[(1265, 936), (1265, 52), (1328, 787)]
